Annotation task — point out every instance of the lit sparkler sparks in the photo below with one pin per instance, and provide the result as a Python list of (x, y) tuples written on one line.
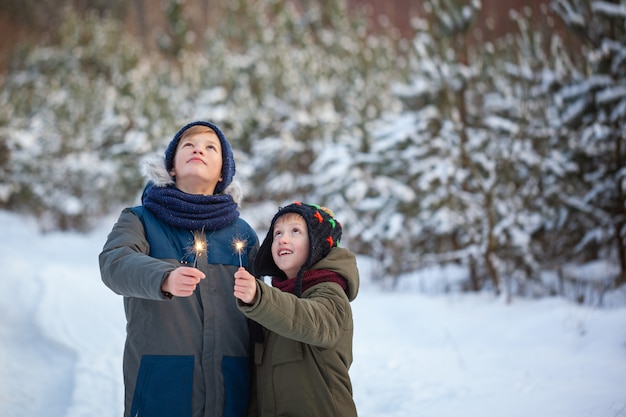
[(199, 245), (239, 245)]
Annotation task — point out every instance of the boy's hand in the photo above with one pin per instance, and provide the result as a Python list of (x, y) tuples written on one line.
[(182, 281), (245, 286)]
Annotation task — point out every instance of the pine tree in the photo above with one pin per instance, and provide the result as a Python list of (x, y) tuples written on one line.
[(474, 144), (299, 88), (592, 115), (75, 123)]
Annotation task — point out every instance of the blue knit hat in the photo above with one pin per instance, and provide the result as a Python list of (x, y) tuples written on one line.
[(228, 160)]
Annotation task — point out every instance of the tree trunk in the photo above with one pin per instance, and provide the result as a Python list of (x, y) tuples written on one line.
[(141, 22)]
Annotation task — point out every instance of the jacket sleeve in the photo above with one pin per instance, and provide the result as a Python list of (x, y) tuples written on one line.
[(318, 319), (125, 266)]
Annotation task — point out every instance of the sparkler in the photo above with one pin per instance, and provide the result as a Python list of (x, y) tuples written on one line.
[(239, 246), (199, 245)]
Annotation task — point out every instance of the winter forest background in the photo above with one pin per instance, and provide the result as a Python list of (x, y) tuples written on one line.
[(503, 155)]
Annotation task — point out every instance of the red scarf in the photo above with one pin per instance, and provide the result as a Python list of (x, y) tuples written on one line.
[(309, 279)]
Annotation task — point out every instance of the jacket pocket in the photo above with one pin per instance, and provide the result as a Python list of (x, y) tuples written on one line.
[(287, 351), (236, 372), (164, 386)]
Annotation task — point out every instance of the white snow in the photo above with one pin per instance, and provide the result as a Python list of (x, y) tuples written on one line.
[(62, 335)]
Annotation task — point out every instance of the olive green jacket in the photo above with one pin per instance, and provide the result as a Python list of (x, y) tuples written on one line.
[(302, 366)]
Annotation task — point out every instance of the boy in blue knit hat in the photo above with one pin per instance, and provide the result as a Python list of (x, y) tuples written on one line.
[(303, 348), (172, 258)]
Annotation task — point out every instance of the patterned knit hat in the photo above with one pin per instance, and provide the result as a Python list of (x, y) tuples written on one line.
[(228, 161), (324, 233)]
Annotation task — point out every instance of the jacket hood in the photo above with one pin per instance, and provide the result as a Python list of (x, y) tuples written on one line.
[(154, 170), (343, 262)]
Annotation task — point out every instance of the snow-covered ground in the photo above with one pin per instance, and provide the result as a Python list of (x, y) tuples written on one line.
[(62, 334)]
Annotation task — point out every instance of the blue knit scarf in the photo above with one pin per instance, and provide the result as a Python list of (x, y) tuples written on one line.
[(190, 211)]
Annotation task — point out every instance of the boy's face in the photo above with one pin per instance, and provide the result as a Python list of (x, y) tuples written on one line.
[(198, 163), (290, 243)]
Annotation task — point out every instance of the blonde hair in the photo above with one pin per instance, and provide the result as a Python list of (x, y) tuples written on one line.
[(291, 216), (196, 130)]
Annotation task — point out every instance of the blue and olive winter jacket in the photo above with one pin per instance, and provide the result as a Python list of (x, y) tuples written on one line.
[(186, 356)]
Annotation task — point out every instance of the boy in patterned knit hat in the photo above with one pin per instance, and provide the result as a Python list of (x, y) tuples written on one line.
[(303, 348)]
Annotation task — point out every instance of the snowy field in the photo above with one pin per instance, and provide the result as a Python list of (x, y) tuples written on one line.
[(62, 334)]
